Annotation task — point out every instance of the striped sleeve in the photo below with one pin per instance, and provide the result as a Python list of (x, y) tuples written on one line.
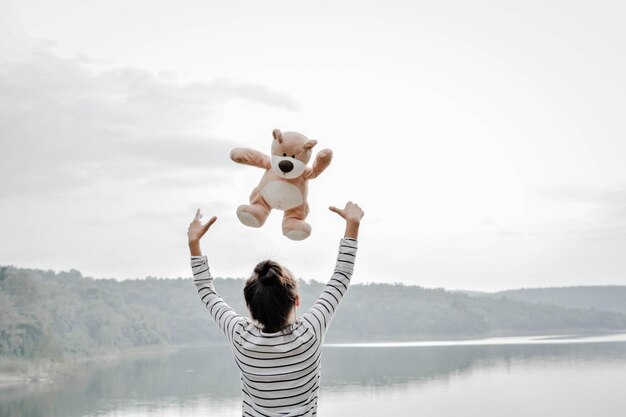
[(321, 313), (225, 317)]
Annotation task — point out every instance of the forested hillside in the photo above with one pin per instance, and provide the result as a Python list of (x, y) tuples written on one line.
[(607, 298), (47, 314)]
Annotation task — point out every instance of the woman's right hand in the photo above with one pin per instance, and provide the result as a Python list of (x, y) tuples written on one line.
[(352, 213)]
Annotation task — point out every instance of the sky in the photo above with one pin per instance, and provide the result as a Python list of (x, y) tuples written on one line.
[(484, 140)]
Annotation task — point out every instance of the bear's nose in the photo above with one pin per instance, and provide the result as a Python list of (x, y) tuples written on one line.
[(285, 166)]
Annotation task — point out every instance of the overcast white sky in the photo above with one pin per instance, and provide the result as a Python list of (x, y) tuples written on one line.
[(484, 140)]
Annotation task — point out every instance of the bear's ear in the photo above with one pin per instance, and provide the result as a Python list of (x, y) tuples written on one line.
[(278, 135), (310, 143)]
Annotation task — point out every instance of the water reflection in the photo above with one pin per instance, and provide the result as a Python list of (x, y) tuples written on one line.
[(402, 365), (199, 380)]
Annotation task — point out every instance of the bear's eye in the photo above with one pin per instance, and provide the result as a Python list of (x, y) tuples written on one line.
[(284, 154), (293, 156)]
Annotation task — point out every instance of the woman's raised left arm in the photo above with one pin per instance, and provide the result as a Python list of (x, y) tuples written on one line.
[(225, 317)]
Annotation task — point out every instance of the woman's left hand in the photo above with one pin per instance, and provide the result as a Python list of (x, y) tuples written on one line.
[(196, 229)]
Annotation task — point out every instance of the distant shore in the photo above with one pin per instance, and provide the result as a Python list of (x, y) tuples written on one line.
[(17, 371)]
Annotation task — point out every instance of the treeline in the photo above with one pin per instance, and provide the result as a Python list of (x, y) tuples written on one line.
[(607, 298), (56, 315), (410, 312)]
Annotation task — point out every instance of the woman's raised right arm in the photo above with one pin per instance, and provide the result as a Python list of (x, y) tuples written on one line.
[(321, 313)]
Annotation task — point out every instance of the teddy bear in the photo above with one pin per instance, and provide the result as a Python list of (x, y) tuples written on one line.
[(284, 185)]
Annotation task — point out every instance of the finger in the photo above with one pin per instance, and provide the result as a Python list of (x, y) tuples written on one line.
[(212, 220), (336, 210), (209, 223), (198, 215)]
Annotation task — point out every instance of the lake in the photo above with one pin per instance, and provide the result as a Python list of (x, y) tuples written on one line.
[(543, 376)]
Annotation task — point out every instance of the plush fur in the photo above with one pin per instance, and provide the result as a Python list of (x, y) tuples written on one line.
[(284, 185)]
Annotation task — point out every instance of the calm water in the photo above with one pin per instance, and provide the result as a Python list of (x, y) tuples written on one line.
[(495, 377)]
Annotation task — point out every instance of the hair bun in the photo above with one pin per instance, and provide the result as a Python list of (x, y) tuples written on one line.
[(266, 272)]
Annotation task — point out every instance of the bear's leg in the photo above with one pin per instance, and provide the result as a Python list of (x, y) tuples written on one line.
[(253, 215), (294, 226)]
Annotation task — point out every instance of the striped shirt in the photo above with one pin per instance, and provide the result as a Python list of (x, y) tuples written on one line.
[(280, 372)]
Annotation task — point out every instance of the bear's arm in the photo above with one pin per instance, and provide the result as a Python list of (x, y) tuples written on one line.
[(322, 160), (250, 157)]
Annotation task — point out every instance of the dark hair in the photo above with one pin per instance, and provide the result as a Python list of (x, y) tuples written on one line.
[(270, 294)]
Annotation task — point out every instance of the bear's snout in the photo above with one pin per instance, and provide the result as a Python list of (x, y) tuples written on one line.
[(285, 166)]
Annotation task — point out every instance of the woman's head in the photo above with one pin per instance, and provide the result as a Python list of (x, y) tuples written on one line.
[(271, 294)]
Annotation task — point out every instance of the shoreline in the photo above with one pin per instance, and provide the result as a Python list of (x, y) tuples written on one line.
[(16, 372), (19, 371)]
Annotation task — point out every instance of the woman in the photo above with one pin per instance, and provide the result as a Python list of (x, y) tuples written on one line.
[(278, 354)]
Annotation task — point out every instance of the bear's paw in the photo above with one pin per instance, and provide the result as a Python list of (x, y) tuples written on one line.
[(248, 219)]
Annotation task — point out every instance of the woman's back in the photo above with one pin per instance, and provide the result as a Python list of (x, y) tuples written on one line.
[(280, 371)]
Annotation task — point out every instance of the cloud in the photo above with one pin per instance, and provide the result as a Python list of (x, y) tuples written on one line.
[(606, 217), (69, 122), (609, 196)]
